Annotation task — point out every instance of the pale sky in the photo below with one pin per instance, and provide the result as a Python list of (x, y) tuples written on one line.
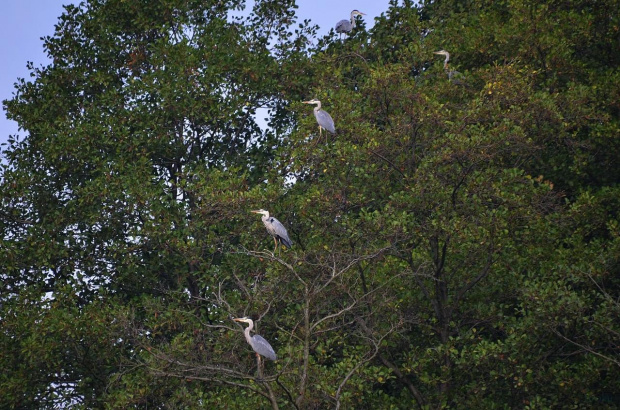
[(24, 22)]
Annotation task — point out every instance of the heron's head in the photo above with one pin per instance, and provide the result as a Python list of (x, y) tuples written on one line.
[(243, 319), (312, 101), (442, 53), (260, 211), (357, 13)]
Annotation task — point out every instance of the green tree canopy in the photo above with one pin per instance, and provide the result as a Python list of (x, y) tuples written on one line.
[(456, 243)]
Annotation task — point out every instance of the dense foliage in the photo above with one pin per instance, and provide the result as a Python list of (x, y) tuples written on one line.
[(456, 244)]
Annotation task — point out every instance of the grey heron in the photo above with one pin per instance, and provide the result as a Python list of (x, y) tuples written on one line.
[(451, 73), (275, 229), (345, 26), (322, 117), (258, 343)]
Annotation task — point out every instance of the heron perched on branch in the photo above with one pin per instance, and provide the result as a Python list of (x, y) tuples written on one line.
[(258, 343), (322, 117), (275, 229), (345, 26), (451, 73)]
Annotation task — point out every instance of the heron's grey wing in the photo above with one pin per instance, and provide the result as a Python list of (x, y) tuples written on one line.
[(325, 120), (262, 347), (278, 230), (452, 74), (343, 26)]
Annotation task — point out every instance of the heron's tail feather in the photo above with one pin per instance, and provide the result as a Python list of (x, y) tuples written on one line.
[(286, 242)]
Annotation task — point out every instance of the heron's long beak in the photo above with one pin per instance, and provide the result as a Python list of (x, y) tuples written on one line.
[(363, 14), (255, 212), (305, 102)]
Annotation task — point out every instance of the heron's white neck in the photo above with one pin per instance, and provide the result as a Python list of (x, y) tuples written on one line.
[(445, 63), (318, 106), (265, 216), (352, 19), (246, 332)]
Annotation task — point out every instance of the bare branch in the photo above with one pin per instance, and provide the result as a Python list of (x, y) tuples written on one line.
[(587, 348), (368, 357)]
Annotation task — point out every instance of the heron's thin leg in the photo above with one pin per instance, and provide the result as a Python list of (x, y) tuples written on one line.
[(316, 141), (259, 368), (275, 241), (320, 135)]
